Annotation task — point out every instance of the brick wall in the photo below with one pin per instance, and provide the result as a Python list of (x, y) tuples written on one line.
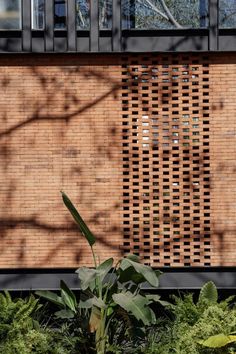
[(143, 145), (223, 160)]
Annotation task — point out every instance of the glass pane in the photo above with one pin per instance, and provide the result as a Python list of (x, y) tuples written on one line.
[(10, 14), (82, 10), (105, 14), (38, 14), (60, 14), (227, 15), (164, 14)]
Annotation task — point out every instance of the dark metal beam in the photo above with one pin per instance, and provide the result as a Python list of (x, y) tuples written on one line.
[(172, 278), (49, 25), (26, 26), (71, 25), (94, 26)]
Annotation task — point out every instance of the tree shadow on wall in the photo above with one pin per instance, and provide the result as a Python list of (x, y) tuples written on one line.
[(58, 132), (168, 215), (64, 131)]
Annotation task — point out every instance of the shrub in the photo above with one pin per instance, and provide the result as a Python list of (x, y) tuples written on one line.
[(194, 323), (21, 333)]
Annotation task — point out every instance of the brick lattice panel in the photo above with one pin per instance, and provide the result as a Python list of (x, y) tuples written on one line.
[(166, 165)]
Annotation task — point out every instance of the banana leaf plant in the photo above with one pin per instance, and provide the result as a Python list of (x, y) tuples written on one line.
[(107, 288), (218, 341)]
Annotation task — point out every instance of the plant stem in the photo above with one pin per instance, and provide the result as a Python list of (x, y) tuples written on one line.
[(94, 257)]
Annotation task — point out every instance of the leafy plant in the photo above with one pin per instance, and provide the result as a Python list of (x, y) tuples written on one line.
[(108, 290), (208, 293), (20, 332), (218, 341), (67, 301), (204, 326)]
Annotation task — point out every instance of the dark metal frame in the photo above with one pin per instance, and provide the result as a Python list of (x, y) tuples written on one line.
[(114, 40)]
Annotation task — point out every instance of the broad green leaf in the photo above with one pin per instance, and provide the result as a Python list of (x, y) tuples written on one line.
[(136, 304), (158, 273), (208, 292), (138, 278), (98, 302), (218, 341), (147, 272), (50, 296), (86, 304), (80, 222), (65, 314), (153, 316), (104, 268), (153, 297), (133, 258), (93, 301), (156, 298), (86, 276), (68, 296), (130, 274)]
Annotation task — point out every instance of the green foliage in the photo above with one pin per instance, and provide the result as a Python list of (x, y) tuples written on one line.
[(21, 333), (218, 341), (107, 290), (208, 293), (198, 327), (137, 305), (67, 301), (78, 219)]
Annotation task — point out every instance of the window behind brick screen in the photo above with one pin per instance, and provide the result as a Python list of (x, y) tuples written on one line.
[(160, 14), (10, 14), (38, 16), (227, 13), (60, 14)]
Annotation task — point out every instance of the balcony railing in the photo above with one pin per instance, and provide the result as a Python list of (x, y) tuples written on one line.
[(117, 25)]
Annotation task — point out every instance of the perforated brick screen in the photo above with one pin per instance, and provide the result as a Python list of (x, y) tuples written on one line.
[(166, 162)]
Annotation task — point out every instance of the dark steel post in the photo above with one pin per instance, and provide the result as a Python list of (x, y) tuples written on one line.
[(116, 25), (94, 26), (213, 24), (26, 26), (49, 25), (71, 27)]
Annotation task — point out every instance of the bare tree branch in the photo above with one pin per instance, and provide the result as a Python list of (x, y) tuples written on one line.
[(154, 8), (170, 16), (80, 15)]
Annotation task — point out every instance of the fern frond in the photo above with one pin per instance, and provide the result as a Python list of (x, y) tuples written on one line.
[(208, 293), (27, 309), (8, 297)]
